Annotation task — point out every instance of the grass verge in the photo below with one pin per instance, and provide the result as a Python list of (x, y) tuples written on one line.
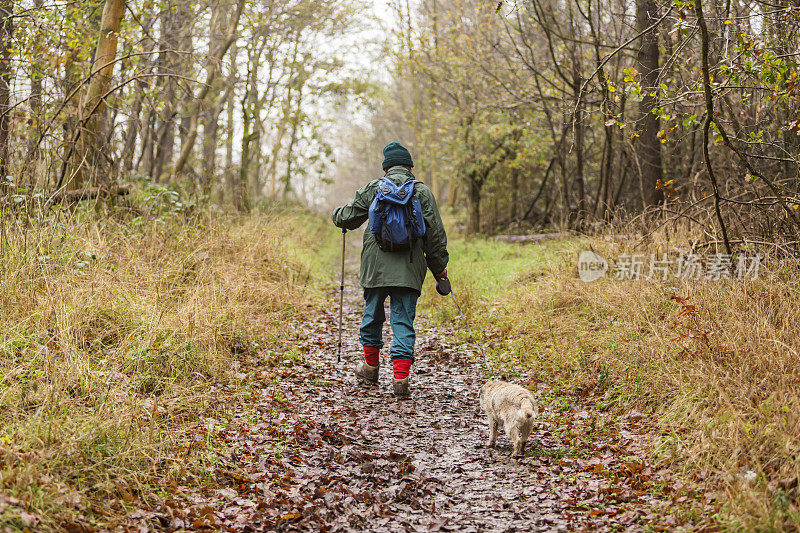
[(117, 335), (713, 364)]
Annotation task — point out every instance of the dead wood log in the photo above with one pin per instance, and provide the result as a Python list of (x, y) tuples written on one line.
[(530, 239), (67, 197)]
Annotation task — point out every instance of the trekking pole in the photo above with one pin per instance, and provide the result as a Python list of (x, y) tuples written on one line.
[(444, 287), (341, 299)]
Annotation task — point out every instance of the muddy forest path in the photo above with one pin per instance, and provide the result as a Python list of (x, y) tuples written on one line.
[(356, 459)]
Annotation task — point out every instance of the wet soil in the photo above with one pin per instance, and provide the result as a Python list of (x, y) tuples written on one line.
[(312, 450)]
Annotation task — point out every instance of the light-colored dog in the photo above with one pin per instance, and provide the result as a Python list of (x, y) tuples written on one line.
[(512, 406)]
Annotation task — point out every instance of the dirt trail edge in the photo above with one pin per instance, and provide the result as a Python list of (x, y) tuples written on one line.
[(351, 458)]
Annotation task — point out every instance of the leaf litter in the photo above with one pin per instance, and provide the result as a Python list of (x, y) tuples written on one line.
[(313, 451)]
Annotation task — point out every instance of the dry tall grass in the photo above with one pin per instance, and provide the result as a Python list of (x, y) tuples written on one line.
[(115, 336), (715, 362)]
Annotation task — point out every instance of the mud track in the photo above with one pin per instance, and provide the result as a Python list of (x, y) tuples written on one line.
[(321, 453)]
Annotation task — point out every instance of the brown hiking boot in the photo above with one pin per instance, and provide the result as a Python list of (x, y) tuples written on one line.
[(367, 374), (402, 390)]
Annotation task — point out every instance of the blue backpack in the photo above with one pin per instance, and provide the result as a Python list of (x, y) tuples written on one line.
[(395, 216)]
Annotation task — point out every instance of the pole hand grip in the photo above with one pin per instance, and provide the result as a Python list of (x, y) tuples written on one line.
[(443, 286)]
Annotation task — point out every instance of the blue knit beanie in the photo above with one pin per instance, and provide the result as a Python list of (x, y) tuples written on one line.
[(396, 154)]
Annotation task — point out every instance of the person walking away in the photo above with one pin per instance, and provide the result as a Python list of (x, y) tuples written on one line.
[(405, 238)]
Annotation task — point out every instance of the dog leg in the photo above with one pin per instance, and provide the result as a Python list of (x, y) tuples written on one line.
[(524, 435), (494, 426), (521, 452), (519, 442), (518, 448)]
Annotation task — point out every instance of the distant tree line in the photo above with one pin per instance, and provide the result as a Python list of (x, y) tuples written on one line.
[(537, 112), (217, 97)]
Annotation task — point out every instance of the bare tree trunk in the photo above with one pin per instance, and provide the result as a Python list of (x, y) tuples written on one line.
[(453, 192), (230, 104), (272, 170), (286, 107), (85, 154), (287, 181), (251, 107), (164, 141), (579, 150), (194, 110), (132, 132), (211, 116), (474, 225), (514, 192), (6, 32), (242, 190), (709, 101), (36, 100), (609, 201), (241, 196), (211, 138), (185, 65), (145, 160), (562, 162), (135, 123), (649, 145)]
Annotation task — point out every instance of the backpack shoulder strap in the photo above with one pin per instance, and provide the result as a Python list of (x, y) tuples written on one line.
[(387, 186)]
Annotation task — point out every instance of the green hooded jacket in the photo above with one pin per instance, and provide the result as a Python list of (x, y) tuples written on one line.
[(396, 269)]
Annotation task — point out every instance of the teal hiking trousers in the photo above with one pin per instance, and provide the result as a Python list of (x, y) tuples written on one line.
[(402, 309)]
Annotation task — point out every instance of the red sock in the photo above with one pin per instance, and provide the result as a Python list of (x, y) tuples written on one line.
[(371, 355), (401, 368)]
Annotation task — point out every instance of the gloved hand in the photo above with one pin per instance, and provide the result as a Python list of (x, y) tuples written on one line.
[(442, 283)]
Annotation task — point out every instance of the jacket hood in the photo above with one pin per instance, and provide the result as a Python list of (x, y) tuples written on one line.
[(399, 174)]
